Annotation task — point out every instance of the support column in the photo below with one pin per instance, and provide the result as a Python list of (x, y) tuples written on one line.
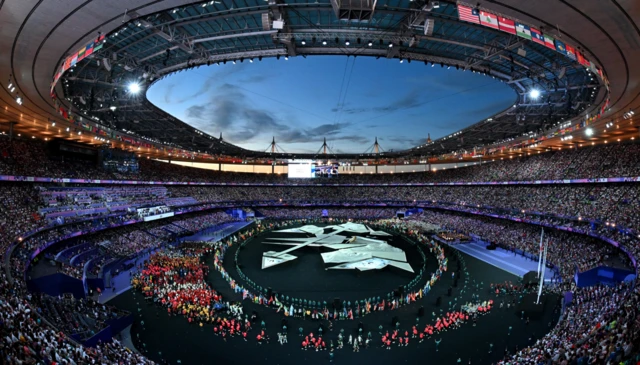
[(11, 124)]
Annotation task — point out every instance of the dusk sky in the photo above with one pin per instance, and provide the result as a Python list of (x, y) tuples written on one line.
[(349, 101)]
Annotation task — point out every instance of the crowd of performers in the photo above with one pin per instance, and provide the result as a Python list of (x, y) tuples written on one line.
[(175, 279), (449, 321), (317, 310)]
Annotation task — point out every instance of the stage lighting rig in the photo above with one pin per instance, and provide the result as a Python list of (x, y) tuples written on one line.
[(534, 93), (134, 88)]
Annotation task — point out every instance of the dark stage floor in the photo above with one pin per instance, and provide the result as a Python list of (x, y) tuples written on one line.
[(173, 339), (307, 278)]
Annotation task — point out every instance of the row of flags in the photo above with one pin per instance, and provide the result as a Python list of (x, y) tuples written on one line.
[(490, 20), (84, 52)]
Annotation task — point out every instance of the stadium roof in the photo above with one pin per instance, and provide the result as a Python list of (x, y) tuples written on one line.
[(145, 41)]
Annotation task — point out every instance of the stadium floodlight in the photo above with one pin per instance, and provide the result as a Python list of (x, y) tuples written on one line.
[(18, 99), (134, 88), (113, 108), (589, 132), (534, 93)]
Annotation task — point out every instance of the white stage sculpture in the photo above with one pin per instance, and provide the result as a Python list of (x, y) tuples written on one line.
[(351, 252)]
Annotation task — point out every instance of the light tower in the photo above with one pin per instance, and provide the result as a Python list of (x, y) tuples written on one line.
[(273, 147), (375, 148)]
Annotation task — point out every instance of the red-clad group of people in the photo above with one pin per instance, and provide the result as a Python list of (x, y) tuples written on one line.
[(312, 342), (396, 337), (450, 320), (175, 279), (230, 328)]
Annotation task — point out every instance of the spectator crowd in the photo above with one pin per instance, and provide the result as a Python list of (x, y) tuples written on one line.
[(601, 326)]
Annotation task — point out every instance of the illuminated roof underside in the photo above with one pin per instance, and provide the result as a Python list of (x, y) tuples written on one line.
[(152, 46)]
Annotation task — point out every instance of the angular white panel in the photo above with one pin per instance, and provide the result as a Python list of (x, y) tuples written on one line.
[(356, 252), (272, 258), (341, 256)]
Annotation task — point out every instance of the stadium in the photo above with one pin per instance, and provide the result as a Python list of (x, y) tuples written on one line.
[(179, 185)]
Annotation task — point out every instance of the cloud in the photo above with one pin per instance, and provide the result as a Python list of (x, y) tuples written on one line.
[(410, 100), (406, 141), (231, 112), (211, 82), (195, 111), (168, 93), (256, 79)]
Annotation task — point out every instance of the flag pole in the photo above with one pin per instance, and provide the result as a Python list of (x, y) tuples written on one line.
[(540, 252), (544, 264)]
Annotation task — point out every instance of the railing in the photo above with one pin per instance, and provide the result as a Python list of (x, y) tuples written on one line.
[(602, 180)]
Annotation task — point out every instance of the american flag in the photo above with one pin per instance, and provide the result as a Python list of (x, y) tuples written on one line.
[(468, 14)]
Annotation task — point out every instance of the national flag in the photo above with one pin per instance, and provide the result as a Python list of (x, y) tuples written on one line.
[(560, 47), (81, 53), (571, 52), (549, 41), (89, 50), (537, 36), (74, 59), (97, 47), (468, 14), (67, 64), (507, 25), (523, 31), (489, 20), (582, 60), (585, 62), (100, 38)]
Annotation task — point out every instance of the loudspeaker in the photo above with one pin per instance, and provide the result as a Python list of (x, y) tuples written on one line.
[(438, 301), (449, 291), (396, 294), (107, 64), (401, 290), (269, 293), (361, 326), (336, 304), (455, 283), (394, 320), (421, 312)]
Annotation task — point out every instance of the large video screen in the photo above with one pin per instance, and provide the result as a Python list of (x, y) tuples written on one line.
[(328, 170), (302, 170)]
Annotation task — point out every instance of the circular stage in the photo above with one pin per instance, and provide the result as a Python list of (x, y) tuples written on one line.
[(309, 277)]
